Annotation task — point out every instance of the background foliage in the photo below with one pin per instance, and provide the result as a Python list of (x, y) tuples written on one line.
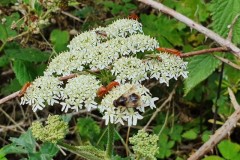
[(182, 126)]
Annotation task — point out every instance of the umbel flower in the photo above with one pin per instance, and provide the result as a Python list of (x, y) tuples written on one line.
[(127, 111), (170, 66), (144, 145), (79, 92), (54, 130), (115, 48), (129, 69), (43, 91)]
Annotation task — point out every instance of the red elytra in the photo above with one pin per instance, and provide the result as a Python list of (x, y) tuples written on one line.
[(169, 50), (24, 88), (102, 91), (133, 16), (111, 85)]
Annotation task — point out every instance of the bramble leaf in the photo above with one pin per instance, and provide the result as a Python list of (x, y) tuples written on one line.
[(199, 67), (228, 149), (27, 54), (59, 39), (223, 13)]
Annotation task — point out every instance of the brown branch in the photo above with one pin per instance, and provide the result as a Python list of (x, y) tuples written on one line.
[(221, 132), (204, 51), (209, 33), (228, 62)]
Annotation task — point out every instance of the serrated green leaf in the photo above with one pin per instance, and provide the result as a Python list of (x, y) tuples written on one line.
[(200, 68), (212, 158), (26, 141), (59, 39), (228, 149), (156, 27), (10, 88), (206, 135), (175, 133), (4, 34), (4, 60), (23, 71), (191, 134), (27, 54), (223, 13), (87, 128), (49, 149)]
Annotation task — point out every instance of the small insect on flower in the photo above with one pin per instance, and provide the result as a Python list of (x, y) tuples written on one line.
[(24, 88), (101, 33), (133, 16), (169, 50), (102, 91), (129, 99)]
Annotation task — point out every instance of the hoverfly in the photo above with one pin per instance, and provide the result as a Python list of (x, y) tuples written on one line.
[(129, 99)]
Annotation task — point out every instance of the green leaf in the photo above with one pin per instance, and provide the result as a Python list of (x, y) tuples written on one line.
[(26, 141), (59, 39), (4, 60), (23, 71), (206, 135), (212, 158), (84, 12), (87, 128), (156, 27), (49, 149), (228, 149), (27, 54), (164, 146), (7, 2), (200, 68), (175, 133), (6, 29), (223, 13), (191, 135), (13, 86)]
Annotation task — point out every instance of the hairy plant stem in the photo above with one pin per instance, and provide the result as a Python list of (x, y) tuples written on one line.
[(86, 152), (109, 149)]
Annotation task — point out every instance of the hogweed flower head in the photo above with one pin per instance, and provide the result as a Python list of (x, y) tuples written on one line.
[(43, 91), (54, 130), (170, 66), (80, 91), (129, 69), (64, 64), (125, 103), (144, 145)]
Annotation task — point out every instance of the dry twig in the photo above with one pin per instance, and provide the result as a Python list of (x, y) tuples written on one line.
[(209, 33), (221, 132)]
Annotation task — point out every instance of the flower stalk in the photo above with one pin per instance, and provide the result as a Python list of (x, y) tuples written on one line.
[(109, 150)]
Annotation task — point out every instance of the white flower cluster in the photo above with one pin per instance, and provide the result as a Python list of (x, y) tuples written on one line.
[(129, 69), (119, 28), (43, 91), (115, 47), (79, 92), (171, 66), (64, 64), (119, 114)]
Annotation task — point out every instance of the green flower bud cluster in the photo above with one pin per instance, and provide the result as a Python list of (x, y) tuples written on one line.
[(145, 145), (54, 130)]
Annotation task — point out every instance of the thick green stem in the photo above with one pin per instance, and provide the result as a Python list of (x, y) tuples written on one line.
[(109, 150)]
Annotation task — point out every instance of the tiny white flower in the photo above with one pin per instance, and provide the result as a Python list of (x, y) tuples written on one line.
[(170, 66), (80, 91), (43, 91), (129, 68)]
